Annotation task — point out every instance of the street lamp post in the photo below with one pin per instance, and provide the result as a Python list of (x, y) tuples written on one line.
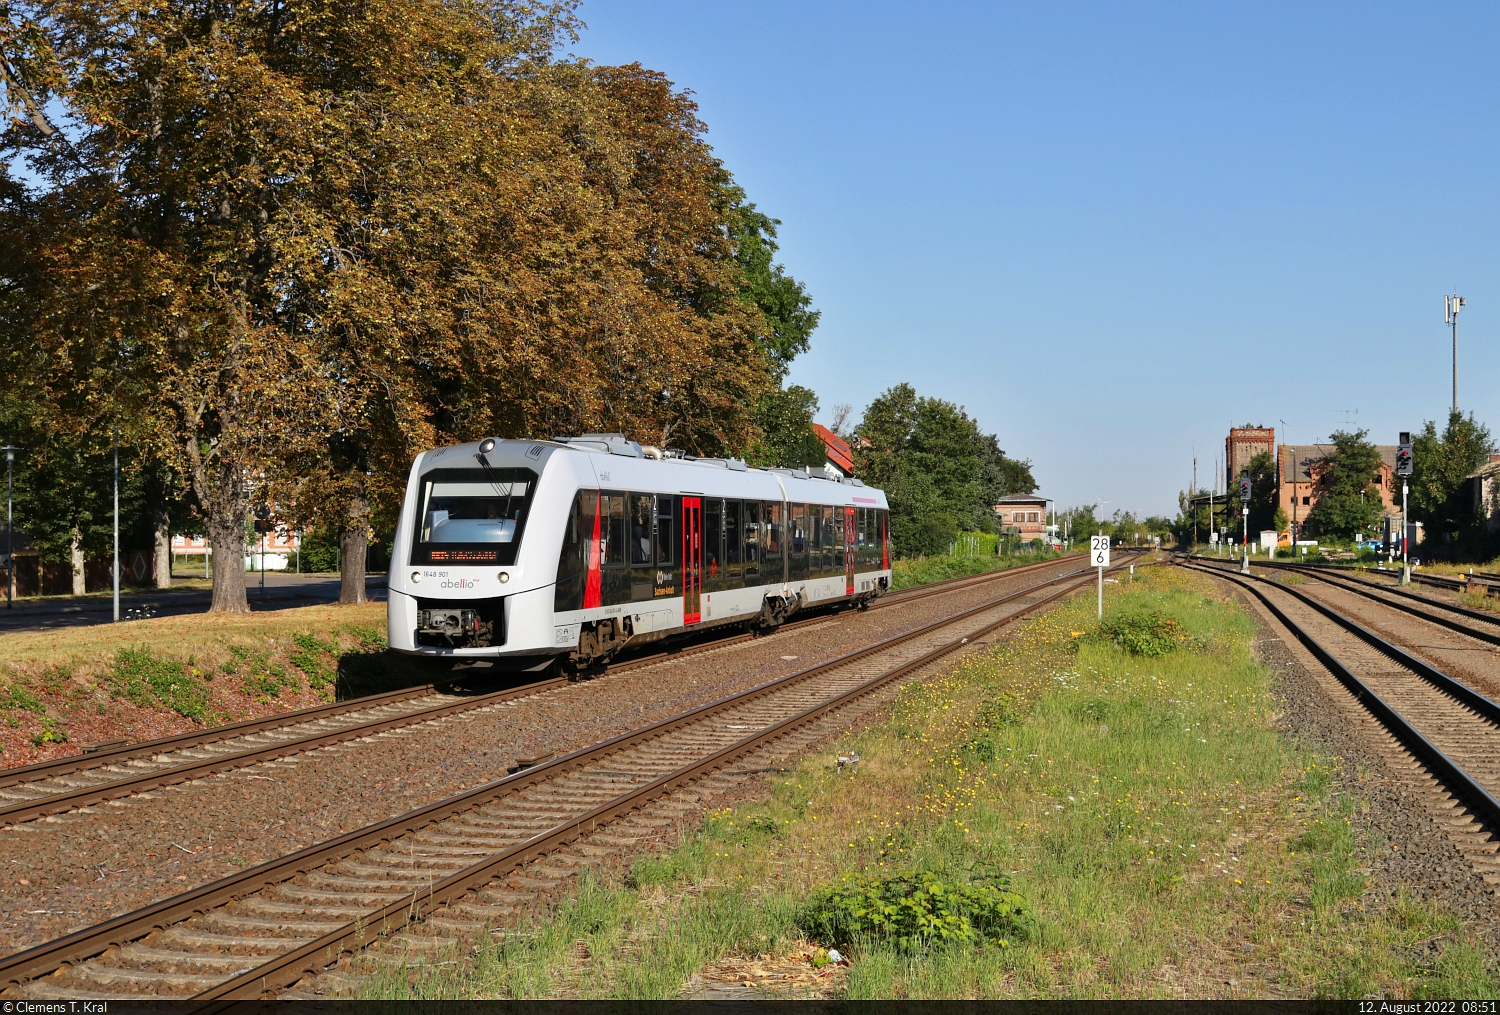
[(10, 528)]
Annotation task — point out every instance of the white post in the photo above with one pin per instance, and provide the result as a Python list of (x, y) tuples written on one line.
[(1099, 556), (1405, 567), (1245, 523)]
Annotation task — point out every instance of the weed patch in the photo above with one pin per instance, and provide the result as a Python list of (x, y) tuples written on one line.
[(145, 679), (50, 733), (1144, 632), (911, 571), (22, 697), (916, 911), (312, 658)]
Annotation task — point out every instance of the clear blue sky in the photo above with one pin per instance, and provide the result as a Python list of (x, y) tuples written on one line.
[(1111, 230)]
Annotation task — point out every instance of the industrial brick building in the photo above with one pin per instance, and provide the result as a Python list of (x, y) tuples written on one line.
[(1243, 444)]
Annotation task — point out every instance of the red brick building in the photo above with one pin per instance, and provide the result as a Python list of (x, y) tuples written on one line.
[(1304, 470), (1243, 444), (1023, 514)]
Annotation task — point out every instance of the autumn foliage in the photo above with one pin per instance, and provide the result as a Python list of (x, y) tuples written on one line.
[(283, 246)]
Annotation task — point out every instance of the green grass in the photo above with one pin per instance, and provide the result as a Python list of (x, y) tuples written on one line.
[(1163, 840), (912, 571)]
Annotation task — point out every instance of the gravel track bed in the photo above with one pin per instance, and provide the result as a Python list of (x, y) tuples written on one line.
[(1392, 579), (1403, 810), (1470, 660), (70, 871)]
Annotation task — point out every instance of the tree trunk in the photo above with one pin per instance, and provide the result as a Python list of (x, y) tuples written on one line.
[(353, 542), (226, 535), (75, 558), (161, 531)]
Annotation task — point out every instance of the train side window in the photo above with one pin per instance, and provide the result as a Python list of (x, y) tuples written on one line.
[(613, 507), (798, 526), (713, 534), (640, 529), (666, 529), (751, 528), (733, 535), (773, 514), (861, 527)]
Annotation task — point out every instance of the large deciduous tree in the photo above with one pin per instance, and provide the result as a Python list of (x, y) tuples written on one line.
[(1349, 502), (300, 241), (785, 417), (1441, 497), (937, 469)]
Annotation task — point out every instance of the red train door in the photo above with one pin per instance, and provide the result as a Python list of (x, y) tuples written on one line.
[(849, 533), (692, 559)]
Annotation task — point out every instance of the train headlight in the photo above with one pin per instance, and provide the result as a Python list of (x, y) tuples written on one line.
[(487, 445), (504, 577), (416, 576)]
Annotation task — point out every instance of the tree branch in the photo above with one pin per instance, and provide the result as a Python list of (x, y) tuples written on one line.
[(14, 86)]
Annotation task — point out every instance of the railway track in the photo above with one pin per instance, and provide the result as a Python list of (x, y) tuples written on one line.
[(1453, 583), (65, 784), (1483, 627), (1448, 727), (265, 929)]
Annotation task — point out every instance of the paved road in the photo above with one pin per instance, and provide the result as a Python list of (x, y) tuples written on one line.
[(282, 592)]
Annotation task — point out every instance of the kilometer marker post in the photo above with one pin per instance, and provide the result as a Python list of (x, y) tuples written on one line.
[(1099, 555)]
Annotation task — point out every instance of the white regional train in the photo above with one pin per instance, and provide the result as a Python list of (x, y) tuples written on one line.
[(535, 552)]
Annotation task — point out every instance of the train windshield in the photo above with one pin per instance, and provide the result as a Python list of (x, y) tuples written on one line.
[(472, 516)]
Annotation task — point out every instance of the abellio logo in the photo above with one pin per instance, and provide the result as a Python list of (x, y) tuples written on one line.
[(460, 583)]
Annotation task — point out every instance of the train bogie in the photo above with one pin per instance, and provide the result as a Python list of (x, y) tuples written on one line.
[(525, 552)]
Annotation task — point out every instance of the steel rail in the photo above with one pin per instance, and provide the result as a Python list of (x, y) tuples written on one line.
[(1453, 773), (315, 955), (1492, 637), (248, 727), (1488, 618), (1333, 579), (198, 738), (55, 803), (84, 944)]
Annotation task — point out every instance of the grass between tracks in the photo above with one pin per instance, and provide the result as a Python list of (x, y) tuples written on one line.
[(912, 571), (151, 678), (1068, 815)]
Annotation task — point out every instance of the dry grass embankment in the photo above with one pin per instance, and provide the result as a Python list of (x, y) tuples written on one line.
[(151, 678)]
